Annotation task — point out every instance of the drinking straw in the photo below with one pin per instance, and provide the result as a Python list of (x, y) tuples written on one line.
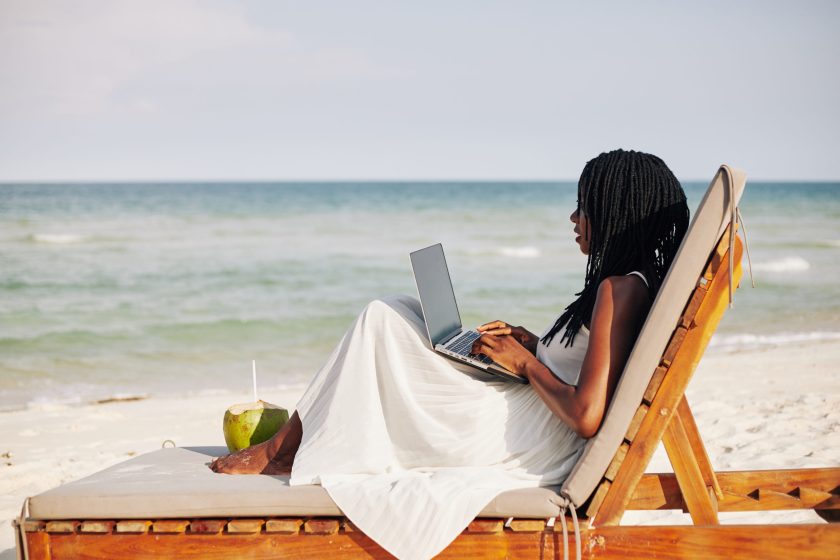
[(254, 372)]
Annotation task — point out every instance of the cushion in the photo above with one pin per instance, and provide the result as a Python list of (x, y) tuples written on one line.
[(177, 483), (708, 224)]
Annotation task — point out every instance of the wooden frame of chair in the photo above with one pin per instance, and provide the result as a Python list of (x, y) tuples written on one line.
[(663, 415)]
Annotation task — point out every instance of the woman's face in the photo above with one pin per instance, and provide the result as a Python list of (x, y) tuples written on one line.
[(578, 217)]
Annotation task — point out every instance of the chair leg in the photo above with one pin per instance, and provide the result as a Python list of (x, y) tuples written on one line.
[(697, 446), (699, 498)]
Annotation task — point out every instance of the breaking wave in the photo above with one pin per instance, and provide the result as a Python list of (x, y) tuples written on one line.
[(57, 238), (740, 341), (520, 252), (787, 264)]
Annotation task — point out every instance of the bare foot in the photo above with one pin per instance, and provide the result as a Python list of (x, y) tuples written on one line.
[(274, 456), (251, 460)]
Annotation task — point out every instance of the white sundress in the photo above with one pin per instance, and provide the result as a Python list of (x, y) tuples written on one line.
[(411, 446)]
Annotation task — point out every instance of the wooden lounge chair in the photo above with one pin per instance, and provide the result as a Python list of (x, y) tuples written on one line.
[(168, 504)]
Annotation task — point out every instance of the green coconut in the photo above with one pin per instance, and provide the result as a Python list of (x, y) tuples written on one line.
[(251, 423)]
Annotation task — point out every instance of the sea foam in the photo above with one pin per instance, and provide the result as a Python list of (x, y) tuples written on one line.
[(58, 238), (786, 264), (742, 341), (520, 252)]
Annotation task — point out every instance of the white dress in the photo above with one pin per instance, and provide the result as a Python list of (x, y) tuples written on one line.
[(410, 446)]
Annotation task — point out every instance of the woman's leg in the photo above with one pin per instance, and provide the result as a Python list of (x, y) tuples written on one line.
[(274, 456), (374, 345)]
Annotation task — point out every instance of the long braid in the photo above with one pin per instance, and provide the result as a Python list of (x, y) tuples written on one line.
[(638, 216)]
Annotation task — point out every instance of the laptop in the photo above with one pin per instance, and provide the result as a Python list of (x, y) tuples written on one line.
[(440, 311)]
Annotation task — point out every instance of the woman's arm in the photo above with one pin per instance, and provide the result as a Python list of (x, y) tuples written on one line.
[(621, 306)]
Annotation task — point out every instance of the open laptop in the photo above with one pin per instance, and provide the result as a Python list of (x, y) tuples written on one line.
[(443, 322)]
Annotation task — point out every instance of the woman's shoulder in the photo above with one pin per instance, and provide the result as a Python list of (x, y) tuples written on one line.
[(621, 305), (632, 283), (629, 292)]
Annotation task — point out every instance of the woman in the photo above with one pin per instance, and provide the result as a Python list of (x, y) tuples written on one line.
[(402, 437)]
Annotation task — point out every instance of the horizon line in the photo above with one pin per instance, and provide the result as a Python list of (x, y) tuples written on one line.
[(8, 182)]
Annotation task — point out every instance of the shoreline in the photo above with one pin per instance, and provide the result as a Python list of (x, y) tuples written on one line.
[(776, 407)]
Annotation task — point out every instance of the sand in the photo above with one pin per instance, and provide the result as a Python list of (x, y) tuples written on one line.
[(770, 407)]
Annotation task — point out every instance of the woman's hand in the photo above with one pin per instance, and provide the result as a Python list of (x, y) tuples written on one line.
[(522, 335), (505, 350)]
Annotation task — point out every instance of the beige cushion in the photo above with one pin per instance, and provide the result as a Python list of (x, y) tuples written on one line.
[(707, 225), (177, 482)]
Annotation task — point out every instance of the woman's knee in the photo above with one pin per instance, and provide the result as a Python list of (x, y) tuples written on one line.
[(405, 307), (398, 303)]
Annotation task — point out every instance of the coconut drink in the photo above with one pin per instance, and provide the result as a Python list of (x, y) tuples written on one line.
[(251, 423)]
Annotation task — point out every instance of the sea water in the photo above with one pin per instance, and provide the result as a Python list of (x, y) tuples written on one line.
[(146, 289)]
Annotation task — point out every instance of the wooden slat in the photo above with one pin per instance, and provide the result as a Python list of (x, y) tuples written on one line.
[(348, 527), (321, 526), (731, 542), (207, 526), (133, 526), (170, 525), (286, 526), (770, 499), (62, 526), (674, 344), (529, 525), (805, 541), (598, 497), (486, 526), (636, 422), (38, 544), (612, 469), (34, 525), (657, 491), (697, 447), (245, 525), (817, 499), (781, 480), (655, 382), (694, 490), (667, 398), (690, 311), (742, 490), (719, 256), (96, 526)]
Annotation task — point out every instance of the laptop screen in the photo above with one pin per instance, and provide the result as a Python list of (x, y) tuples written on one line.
[(436, 294)]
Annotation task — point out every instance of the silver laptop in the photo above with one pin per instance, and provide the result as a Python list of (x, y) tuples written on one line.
[(443, 322)]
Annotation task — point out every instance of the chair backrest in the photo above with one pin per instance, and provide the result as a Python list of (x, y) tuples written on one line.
[(708, 224)]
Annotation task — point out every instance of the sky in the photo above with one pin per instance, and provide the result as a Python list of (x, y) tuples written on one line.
[(431, 90)]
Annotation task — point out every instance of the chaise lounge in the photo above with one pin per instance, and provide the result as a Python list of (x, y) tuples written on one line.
[(169, 504)]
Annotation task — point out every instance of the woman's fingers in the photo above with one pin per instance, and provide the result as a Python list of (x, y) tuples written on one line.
[(484, 344), (491, 325)]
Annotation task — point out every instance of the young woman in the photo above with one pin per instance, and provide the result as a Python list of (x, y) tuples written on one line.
[(402, 437)]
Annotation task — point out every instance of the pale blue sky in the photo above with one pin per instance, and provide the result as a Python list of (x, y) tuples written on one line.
[(414, 90)]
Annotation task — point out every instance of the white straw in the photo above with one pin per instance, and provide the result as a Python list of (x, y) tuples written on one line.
[(254, 371)]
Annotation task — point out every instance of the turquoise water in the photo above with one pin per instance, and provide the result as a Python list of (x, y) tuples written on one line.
[(111, 289)]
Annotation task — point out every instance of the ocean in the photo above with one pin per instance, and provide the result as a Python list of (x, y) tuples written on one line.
[(130, 289)]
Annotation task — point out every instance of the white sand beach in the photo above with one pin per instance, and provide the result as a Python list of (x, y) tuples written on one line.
[(769, 407)]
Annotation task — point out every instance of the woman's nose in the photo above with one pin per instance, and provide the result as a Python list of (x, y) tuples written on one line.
[(573, 217)]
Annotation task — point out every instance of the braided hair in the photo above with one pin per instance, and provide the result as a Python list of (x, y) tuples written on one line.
[(638, 216)]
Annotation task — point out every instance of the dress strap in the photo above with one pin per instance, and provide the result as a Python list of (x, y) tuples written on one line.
[(640, 275)]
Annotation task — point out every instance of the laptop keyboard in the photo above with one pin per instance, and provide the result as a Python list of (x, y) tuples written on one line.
[(463, 344)]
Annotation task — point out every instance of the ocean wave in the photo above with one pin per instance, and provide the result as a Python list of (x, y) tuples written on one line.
[(742, 341), (57, 238), (526, 252), (786, 264), (54, 402)]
